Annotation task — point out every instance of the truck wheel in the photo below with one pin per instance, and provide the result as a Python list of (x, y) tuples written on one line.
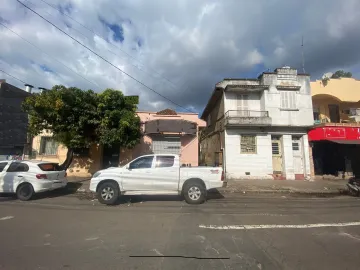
[(108, 193), (24, 192), (194, 193)]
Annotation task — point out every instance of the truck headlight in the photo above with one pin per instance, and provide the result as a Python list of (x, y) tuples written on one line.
[(96, 174)]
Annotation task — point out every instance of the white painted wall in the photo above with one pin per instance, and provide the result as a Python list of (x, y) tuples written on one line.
[(306, 157), (237, 164)]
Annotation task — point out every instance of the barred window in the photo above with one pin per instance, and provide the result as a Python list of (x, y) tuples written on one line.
[(48, 146), (248, 144)]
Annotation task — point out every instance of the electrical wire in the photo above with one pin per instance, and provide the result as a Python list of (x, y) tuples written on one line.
[(12, 76), (32, 44), (104, 59), (96, 34)]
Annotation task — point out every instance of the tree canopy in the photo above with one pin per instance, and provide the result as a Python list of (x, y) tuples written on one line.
[(341, 74), (78, 118)]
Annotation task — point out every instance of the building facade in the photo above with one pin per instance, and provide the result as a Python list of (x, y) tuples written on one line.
[(257, 128), (13, 121), (336, 134), (164, 132)]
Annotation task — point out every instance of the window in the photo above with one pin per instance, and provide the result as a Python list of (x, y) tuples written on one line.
[(48, 146), (164, 161), (242, 105), (288, 100), (208, 121), (248, 144), (2, 165), (142, 163), (49, 167), (18, 167), (275, 148)]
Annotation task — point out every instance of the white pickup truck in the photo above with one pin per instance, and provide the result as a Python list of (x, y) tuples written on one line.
[(155, 175)]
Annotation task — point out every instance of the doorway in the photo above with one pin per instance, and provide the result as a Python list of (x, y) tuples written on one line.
[(111, 156), (298, 157), (276, 154), (334, 113)]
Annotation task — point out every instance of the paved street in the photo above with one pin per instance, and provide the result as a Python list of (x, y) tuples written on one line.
[(68, 232)]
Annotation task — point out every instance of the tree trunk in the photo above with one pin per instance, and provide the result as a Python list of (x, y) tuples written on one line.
[(68, 160)]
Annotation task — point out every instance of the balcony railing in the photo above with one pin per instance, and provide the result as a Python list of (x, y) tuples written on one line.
[(247, 117)]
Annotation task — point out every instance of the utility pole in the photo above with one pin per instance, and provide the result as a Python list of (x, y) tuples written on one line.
[(302, 54)]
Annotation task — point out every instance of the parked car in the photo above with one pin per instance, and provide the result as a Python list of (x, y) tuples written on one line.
[(25, 178), (154, 175)]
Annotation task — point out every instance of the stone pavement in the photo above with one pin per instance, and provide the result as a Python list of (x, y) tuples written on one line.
[(323, 186)]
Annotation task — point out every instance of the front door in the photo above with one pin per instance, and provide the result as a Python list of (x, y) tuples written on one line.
[(334, 113), (242, 105), (111, 156), (166, 173), (298, 156), (276, 155), (138, 176)]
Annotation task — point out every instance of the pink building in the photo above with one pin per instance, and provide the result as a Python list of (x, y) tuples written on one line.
[(168, 132)]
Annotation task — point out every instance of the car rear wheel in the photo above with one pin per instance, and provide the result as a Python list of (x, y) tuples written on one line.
[(25, 192), (108, 193), (194, 193)]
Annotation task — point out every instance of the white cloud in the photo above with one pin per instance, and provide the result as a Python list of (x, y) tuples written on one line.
[(194, 44)]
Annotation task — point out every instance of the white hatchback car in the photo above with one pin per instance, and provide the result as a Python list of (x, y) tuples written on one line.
[(25, 178)]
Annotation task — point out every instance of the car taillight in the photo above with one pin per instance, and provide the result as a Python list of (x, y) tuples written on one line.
[(65, 174), (41, 176), (222, 176)]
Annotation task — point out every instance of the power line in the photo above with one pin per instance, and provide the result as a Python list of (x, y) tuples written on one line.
[(12, 76), (98, 35), (32, 44), (104, 59)]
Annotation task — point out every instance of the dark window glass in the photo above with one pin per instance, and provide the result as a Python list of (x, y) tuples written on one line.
[(164, 161), (49, 167), (2, 165), (18, 167), (142, 163)]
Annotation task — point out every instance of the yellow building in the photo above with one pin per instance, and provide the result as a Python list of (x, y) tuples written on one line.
[(336, 100), (335, 137)]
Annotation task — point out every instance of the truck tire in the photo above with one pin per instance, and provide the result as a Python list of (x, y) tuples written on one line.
[(25, 192), (194, 193), (108, 193)]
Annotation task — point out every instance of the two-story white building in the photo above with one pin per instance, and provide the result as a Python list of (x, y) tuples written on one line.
[(257, 128)]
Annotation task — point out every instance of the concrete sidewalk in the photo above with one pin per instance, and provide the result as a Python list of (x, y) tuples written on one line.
[(81, 184), (287, 186)]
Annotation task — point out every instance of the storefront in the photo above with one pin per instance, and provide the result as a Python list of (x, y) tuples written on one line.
[(335, 149)]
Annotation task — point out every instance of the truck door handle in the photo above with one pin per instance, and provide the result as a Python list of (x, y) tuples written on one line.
[(19, 176)]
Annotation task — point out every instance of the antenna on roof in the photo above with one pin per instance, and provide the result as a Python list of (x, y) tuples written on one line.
[(302, 54)]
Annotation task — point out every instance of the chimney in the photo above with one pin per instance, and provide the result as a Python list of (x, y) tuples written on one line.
[(42, 89), (28, 88)]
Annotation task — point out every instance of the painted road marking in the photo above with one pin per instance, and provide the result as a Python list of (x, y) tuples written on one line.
[(7, 217), (274, 226)]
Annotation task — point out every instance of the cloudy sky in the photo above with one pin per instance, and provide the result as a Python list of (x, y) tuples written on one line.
[(179, 48)]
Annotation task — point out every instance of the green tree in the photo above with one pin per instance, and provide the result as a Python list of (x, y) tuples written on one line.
[(341, 74), (78, 118)]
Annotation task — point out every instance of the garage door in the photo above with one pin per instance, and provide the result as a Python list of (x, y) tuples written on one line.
[(166, 145)]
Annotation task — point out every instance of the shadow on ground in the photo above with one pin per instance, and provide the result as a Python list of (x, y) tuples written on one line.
[(71, 188), (126, 199)]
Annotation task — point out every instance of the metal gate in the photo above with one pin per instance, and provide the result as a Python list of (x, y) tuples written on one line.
[(166, 145)]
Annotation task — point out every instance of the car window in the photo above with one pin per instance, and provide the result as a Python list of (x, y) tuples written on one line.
[(142, 163), (18, 167), (2, 165), (164, 161), (49, 167)]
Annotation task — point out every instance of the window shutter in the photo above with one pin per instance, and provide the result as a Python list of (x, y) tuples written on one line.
[(293, 100)]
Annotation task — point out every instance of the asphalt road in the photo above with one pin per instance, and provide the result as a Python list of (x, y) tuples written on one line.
[(164, 233)]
